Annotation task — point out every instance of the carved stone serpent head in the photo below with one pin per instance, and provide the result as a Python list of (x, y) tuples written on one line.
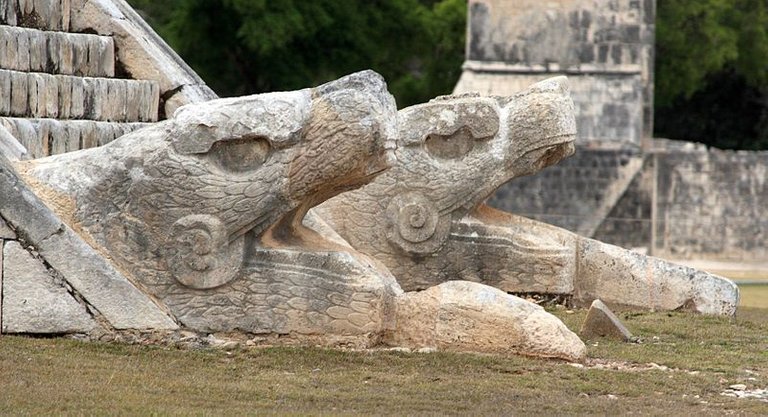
[(453, 152), (176, 201)]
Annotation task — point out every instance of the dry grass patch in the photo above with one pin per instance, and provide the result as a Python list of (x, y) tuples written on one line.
[(703, 356)]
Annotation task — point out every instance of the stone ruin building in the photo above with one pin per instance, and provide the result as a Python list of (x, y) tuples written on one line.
[(133, 199), (676, 200)]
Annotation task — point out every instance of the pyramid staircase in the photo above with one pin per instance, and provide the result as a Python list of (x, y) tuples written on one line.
[(62, 91), (74, 74)]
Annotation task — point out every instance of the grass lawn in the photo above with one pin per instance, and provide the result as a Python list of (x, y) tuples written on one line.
[(680, 367)]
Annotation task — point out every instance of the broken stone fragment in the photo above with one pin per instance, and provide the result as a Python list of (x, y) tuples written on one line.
[(468, 316), (629, 280), (601, 322), (33, 302)]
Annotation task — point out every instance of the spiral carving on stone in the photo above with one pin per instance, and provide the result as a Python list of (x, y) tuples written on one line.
[(200, 255), (415, 225)]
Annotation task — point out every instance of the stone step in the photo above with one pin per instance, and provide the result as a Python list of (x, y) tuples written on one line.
[(38, 14), (32, 50), (44, 137), (39, 95)]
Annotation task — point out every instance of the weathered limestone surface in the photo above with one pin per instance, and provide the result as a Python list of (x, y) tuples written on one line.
[(574, 192), (32, 50), (67, 97), (604, 46), (45, 137), (424, 218), (40, 14), (609, 107), (5, 231), (2, 245), (10, 147), (711, 204), (33, 302), (623, 278), (50, 76), (203, 210), (89, 273), (426, 221), (141, 51), (601, 322), (462, 315), (561, 34)]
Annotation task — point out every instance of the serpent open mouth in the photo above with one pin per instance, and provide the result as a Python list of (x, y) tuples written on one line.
[(547, 155)]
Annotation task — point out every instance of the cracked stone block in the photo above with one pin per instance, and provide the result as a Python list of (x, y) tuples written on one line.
[(627, 280), (40, 95), (469, 316), (32, 50), (33, 302), (9, 145), (44, 137), (47, 15), (5, 232), (106, 289), (601, 322)]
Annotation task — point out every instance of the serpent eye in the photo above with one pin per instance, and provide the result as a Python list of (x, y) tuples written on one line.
[(240, 155), (453, 146)]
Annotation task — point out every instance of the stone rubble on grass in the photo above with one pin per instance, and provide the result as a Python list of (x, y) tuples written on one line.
[(468, 316), (741, 391), (601, 322)]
